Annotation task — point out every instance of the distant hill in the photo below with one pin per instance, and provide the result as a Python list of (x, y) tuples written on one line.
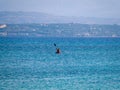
[(37, 17)]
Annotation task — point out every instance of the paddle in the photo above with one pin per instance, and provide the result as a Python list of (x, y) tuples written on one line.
[(54, 44)]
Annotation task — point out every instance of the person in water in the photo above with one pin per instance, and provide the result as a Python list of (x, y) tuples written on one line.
[(57, 51)]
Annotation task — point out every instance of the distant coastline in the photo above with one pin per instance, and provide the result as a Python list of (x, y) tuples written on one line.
[(60, 30), (36, 24)]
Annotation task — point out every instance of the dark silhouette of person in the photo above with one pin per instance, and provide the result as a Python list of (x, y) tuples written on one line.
[(57, 51)]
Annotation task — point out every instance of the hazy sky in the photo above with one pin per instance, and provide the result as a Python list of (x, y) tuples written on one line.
[(86, 8)]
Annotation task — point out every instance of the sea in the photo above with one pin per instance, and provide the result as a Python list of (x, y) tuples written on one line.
[(29, 63)]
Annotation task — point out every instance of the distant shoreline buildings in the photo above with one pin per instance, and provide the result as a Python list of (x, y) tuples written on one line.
[(3, 25), (59, 30)]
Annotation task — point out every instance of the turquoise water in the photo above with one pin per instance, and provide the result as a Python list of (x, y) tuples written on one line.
[(84, 64)]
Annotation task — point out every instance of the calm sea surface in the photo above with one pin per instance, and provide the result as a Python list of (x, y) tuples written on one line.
[(84, 64)]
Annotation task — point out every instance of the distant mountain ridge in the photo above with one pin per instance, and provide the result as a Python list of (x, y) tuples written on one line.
[(37, 17)]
